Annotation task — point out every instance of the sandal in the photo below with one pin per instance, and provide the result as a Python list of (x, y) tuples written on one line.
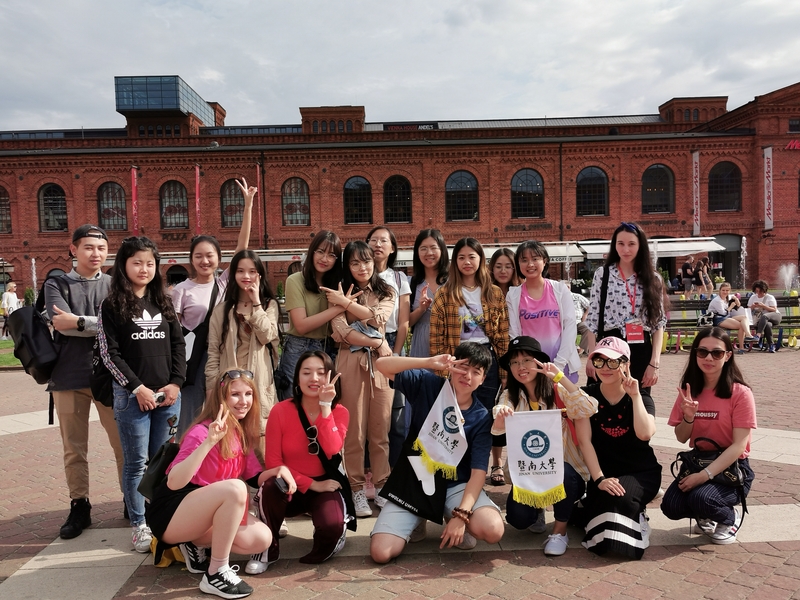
[(497, 477)]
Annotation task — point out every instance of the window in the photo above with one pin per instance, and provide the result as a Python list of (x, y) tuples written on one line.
[(168, 130), (357, 201), (159, 131), (658, 190), (174, 206), (461, 197), (686, 115), (111, 212), (149, 131), (315, 127), (324, 127), (141, 130), (724, 188), (52, 208), (695, 115), (295, 205), (794, 125), (5, 211), (527, 195), (176, 129), (591, 192), (333, 126), (349, 126), (397, 200), (231, 203), (341, 126)]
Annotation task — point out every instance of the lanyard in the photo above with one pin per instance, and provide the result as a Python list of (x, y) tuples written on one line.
[(631, 294)]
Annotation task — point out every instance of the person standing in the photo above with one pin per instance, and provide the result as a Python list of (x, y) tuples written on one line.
[(73, 304), (687, 274), (10, 304)]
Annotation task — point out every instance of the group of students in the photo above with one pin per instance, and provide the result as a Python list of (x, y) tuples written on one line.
[(349, 315), (727, 312)]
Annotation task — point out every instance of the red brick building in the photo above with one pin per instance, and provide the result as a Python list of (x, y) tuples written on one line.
[(692, 169)]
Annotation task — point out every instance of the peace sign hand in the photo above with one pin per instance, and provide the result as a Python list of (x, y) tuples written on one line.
[(219, 427), (629, 384), (327, 392), (424, 299), (548, 368), (447, 362), (248, 192), (253, 290), (688, 404)]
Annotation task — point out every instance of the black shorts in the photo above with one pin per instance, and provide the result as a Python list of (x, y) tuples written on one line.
[(160, 511)]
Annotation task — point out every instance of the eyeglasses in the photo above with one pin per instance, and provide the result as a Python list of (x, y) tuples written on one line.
[(322, 253), (598, 362), (380, 241), (429, 249), (525, 259), (313, 445), (236, 374), (357, 264), (523, 362), (630, 227), (717, 354)]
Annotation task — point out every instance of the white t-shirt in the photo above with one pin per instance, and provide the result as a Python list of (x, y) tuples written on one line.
[(11, 302), (391, 277), (191, 299), (470, 314)]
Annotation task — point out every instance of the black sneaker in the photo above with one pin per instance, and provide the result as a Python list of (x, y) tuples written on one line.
[(225, 583), (196, 558), (80, 517)]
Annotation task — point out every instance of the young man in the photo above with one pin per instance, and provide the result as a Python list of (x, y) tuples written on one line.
[(465, 498), (73, 303)]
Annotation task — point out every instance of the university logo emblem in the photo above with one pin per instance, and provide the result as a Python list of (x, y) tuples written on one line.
[(450, 420), (535, 443)]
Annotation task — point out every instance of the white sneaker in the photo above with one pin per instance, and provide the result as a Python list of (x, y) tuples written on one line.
[(361, 504), (258, 563), (706, 526), (284, 530), (468, 542), (644, 525), (726, 534), (380, 501), (556, 544), (540, 526), (225, 583), (420, 533), (141, 537)]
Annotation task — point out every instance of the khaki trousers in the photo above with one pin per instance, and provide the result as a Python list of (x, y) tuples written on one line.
[(72, 408)]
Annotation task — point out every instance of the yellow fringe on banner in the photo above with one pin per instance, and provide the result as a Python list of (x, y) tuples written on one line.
[(539, 499), (447, 471)]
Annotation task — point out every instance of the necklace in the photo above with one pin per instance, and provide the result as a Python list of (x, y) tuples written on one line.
[(471, 288)]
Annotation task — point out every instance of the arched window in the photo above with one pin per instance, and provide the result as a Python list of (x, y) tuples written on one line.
[(315, 127), (527, 195), (176, 274), (591, 192), (324, 127), (686, 115), (724, 188), (231, 203), (461, 197), (5, 211), (295, 204), (658, 190), (141, 130), (349, 126), (333, 126), (397, 200), (357, 201), (341, 126), (52, 208), (176, 130), (174, 206), (111, 212), (159, 131), (695, 115)]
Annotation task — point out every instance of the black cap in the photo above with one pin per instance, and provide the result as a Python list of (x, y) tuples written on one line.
[(523, 343), (89, 231)]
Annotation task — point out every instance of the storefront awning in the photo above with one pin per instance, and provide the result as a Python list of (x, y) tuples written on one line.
[(662, 248)]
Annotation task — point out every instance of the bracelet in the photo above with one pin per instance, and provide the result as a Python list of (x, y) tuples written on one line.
[(652, 365), (328, 404), (599, 479), (558, 377), (689, 422), (137, 388), (710, 476), (462, 514)]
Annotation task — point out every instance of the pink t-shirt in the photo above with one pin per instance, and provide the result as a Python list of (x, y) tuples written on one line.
[(717, 417), (215, 468), (191, 299), (541, 319)]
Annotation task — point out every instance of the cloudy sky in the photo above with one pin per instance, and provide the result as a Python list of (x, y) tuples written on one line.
[(402, 60)]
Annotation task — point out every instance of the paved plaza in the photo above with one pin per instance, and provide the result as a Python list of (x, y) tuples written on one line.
[(100, 564)]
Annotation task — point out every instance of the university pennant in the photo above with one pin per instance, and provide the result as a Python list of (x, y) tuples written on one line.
[(536, 457)]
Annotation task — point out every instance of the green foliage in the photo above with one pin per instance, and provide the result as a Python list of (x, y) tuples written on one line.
[(30, 296)]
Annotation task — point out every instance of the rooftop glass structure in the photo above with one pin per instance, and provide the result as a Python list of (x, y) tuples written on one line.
[(163, 93)]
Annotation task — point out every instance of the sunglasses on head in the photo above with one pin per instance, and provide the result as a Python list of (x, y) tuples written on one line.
[(313, 444), (236, 374), (598, 362), (716, 354)]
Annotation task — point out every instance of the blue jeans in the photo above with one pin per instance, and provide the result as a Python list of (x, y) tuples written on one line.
[(293, 348), (521, 516), (141, 434)]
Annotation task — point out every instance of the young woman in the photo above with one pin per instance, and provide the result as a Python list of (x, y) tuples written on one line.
[(634, 307), (725, 308), (367, 303), (203, 504), (309, 312), (625, 474), (316, 393), (468, 308), (10, 303), (141, 343), (765, 313), (192, 300), (535, 383), (431, 263), (713, 402), (244, 329), (503, 270), (698, 280)]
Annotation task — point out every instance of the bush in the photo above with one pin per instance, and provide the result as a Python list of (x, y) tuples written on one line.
[(30, 296)]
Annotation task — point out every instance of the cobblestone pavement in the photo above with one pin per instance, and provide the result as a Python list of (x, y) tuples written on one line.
[(33, 505)]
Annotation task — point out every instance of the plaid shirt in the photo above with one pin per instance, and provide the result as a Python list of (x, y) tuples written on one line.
[(446, 324)]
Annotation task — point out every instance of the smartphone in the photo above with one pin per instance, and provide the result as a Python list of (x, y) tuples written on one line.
[(282, 485), (160, 397)]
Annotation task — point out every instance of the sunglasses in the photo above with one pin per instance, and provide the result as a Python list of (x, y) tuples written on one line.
[(717, 354), (236, 374), (598, 362), (313, 445)]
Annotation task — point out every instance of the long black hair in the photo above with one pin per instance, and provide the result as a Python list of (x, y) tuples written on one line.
[(653, 300), (693, 374), (327, 241), (297, 393), (359, 250), (542, 386), (419, 269), (120, 295), (233, 292)]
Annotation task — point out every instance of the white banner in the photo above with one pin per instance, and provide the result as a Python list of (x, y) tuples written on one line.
[(441, 440), (769, 206), (696, 193), (536, 457)]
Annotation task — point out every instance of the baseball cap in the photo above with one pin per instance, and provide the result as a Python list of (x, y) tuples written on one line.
[(89, 231), (523, 343), (612, 347)]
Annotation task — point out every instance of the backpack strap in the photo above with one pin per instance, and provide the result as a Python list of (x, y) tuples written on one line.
[(601, 321)]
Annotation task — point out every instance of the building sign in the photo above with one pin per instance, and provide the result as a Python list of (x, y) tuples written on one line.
[(793, 145), (769, 207), (410, 126), (696, 193)]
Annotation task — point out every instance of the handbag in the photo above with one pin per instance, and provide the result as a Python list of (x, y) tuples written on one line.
[(197, 340), (156, 472), (706, 319)]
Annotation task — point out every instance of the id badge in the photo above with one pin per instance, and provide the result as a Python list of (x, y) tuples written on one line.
[(634, 332)]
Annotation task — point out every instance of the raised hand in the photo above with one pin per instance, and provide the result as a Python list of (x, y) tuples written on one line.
[(338, 297), (253, 290), (688, 404), (549, 369), (219, 427), (424, 299), (327, 391), (629, 384), (248, 192), (447, 362)]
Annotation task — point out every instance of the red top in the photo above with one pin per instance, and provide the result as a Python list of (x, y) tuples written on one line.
[(287, 443)]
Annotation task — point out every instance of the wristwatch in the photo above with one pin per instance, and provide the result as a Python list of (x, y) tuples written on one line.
[(81, 323)]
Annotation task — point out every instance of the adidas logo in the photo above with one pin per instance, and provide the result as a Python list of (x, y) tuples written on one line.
[(148, 325)]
